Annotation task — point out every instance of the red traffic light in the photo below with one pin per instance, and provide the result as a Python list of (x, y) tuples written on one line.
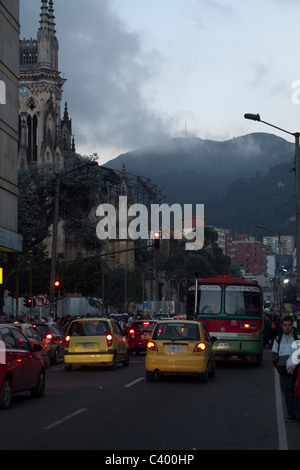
[(156, 237), (57, 283)]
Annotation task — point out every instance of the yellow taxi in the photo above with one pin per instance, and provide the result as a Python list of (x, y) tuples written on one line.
[(180, 347), (35, 337), (95, 341)]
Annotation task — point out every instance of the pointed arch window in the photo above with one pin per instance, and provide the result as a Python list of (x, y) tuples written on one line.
[(32, 138)]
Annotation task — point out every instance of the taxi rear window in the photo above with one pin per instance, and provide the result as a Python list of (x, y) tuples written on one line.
[(177, 331), (89, 328)]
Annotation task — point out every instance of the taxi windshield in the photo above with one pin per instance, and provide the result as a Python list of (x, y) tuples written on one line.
[(177, 331), (89, 328)]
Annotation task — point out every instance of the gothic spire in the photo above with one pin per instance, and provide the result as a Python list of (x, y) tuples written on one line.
[(44, 16), (47, 41), (66, 113), (51, 18)]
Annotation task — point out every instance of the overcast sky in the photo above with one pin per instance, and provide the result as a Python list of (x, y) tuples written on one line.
[(142, 71)]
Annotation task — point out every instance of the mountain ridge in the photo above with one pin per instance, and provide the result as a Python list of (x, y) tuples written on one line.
[(192, 170)]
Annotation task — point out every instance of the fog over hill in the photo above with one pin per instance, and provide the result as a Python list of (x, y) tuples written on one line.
[(192, 170)]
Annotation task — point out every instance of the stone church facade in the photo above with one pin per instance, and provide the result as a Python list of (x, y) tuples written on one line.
[(45, 136)]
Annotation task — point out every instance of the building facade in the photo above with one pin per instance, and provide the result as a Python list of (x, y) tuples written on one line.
[(10, 240), (250, 254), (287, 244), (45, 136)]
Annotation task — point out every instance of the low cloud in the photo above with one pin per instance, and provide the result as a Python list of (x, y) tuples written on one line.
[(106, 68)]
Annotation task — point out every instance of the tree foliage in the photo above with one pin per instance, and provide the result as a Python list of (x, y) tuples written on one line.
[(78, 184), (79, 194)]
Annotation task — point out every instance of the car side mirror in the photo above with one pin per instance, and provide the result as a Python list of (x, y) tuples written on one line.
[(214, 339), (37, 347)]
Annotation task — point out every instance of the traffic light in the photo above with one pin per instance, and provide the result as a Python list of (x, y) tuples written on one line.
[(156, 238), (56, 284), (27, 302)]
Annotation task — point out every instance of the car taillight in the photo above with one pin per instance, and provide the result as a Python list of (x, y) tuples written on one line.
[(131, 332), (152, 346), (67, 341), (200, 347), (49, 338), (109, 339)]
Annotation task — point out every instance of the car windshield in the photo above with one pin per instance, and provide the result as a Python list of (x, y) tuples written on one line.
[(177, 331), (89, 328), (143, 326)]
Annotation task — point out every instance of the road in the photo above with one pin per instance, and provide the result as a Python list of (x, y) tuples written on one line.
[(118, 410)]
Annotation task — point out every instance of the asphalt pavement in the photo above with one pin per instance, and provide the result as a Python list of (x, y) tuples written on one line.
[(115, 411)]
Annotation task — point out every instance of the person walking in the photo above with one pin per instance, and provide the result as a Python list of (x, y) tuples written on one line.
[(282, 350)]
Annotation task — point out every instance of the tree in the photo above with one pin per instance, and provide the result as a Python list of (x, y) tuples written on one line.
[(79, 194)]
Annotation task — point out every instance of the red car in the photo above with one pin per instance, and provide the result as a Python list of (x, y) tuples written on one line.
[(139, 334), (21, 366)]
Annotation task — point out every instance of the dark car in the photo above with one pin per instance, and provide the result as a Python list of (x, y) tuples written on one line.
[(21, 366), (55, 335), (139, 334)]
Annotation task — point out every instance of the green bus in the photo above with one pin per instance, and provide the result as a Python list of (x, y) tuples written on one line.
[(232, 309)]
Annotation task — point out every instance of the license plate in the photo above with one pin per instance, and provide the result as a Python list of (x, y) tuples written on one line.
[(175, 348), (223, 345), (87, 345), (145, 336)]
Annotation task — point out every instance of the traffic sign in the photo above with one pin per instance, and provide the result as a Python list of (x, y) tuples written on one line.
[(170, 308), (41, 300)]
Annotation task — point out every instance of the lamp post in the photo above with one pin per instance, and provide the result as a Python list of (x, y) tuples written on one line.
[(296, 135)]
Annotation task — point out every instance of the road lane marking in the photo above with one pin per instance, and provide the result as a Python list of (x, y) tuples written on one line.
[(282, 439), (66, 418), (134, 382)]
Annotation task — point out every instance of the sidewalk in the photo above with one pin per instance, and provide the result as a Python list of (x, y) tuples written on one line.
[(289, 433)]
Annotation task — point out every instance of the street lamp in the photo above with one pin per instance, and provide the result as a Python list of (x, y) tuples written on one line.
[(256, 117)]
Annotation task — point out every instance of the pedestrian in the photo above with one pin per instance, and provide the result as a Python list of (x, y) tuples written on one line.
[(122, 324), (267, 332), (131, 319), (275, 328), (282, 350)]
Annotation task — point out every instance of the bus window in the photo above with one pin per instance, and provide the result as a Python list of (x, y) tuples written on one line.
[(240, 300), (209, 300)]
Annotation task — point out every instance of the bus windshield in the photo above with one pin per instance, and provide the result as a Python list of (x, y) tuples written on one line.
[(242, 300), (210, 297)]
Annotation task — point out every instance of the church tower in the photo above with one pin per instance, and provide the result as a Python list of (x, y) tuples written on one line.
[(45, 137)]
